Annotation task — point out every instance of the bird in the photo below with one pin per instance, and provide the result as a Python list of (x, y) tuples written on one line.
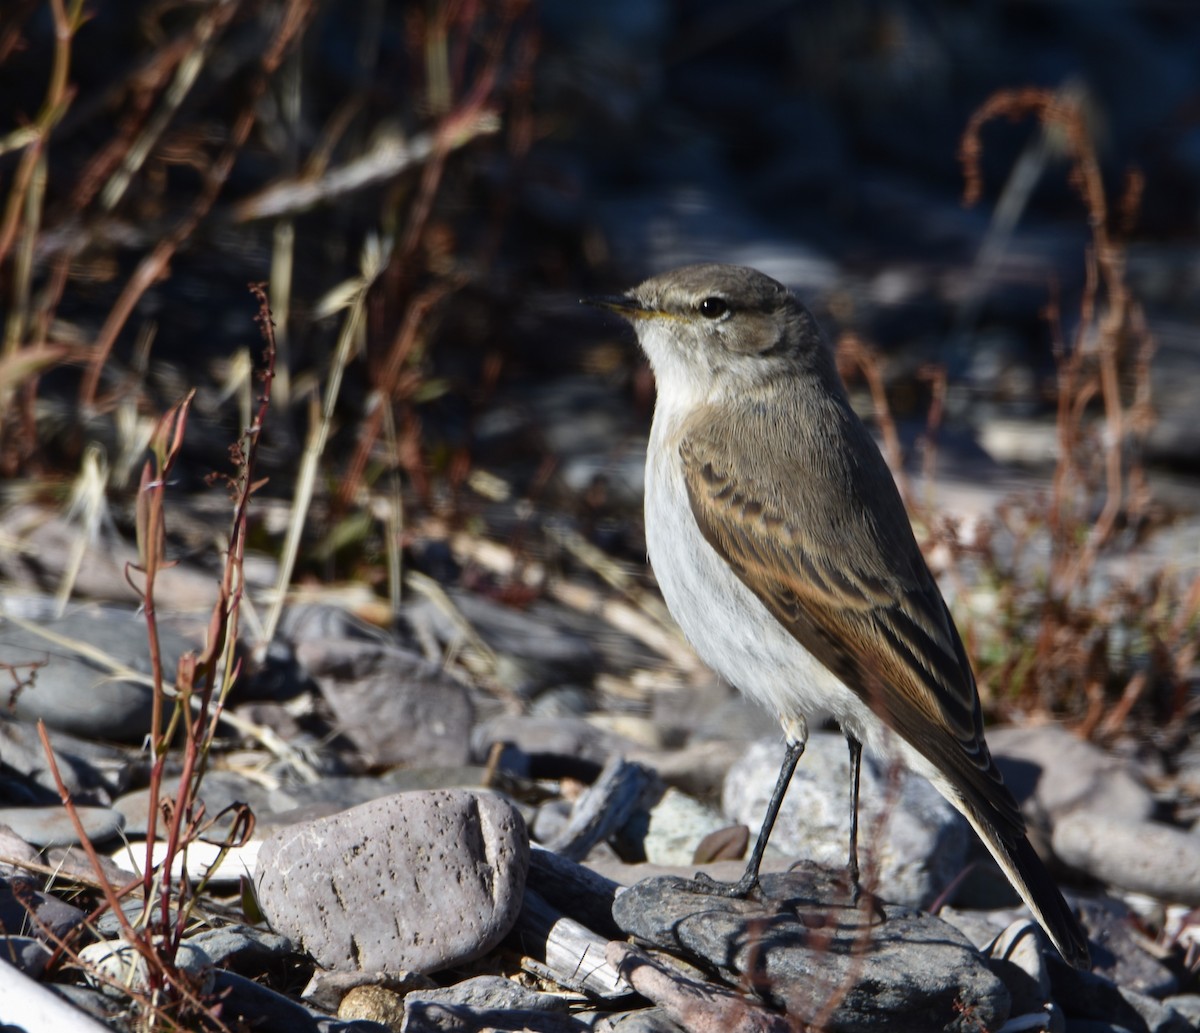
[(783, 550)]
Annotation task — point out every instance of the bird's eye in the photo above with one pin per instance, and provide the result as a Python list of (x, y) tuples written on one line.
[(713, 308)]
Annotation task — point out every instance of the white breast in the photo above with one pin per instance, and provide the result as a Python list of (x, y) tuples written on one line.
[(730, 629)]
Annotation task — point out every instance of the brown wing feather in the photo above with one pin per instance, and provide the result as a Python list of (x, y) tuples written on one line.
[(850, 585)]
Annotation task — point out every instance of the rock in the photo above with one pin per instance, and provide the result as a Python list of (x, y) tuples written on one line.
[(52, 826), (419, 881), (113, 965), (25, 953), (912, 843), (1053, 773), (395, 706), (1187, 1005), (534, 648), (203, 861), (673, 829), (486, 1002), (1142, 856), (219, 791), (77, 694), (246, 1004), (539, 738), (645, 1020), (241, 948), (1085, 995), (92, 772), (1016, 956), (375, 1004), (320, 799), (328, 989), (807, 951), (1119, 951), (699, 1006), (16, 852)]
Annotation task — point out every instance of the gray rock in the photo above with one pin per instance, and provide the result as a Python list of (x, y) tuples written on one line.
[(418, 881), (246, 1004), (1187, 1005), (80, 695), (327, 989), (115, 966), (52, 826), (912, 843), (486, 1002), (645, 1020), (534, 647), (1142, 856), (570, 737), (1016, 957), (806, 950), (320, 799), (676, 825), (242, 948), (92, 772), (1119, 953), (1085, 995), (219, 790), (395, 706), (1053, 773), (25, 953), (15, 851)]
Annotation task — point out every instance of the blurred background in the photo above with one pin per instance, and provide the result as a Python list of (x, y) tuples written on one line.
[(428, 188)]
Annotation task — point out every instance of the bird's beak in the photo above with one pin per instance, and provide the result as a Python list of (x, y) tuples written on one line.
[(622, 304)]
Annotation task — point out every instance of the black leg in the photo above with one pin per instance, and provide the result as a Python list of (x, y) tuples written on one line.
[(749, 880), (855, 771)]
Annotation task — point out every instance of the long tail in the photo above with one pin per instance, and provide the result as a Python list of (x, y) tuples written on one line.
[(1029, 877)]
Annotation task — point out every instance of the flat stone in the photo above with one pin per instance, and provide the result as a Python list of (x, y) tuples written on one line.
[(219, 790), (418, 881), (1142, 856), (486, 1002), (807, 951), (15, 852), (92, 772), (395, 706), (912, 843), (75, 694), (52, 826)]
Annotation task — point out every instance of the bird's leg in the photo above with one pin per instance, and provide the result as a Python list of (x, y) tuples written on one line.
[(855, 772), (749, 880)]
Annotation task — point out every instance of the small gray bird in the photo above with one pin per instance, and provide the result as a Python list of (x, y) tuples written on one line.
[(784, 551)]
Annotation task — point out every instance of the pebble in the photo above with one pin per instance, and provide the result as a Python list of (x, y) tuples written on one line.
[(803, 948), (220, 789), (375, 1004), (419, 881), (395, 706), (1141, 856), (25, 909), (52, 826), (78, 695), (912, 843), (114, 967), (1053, 773)]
